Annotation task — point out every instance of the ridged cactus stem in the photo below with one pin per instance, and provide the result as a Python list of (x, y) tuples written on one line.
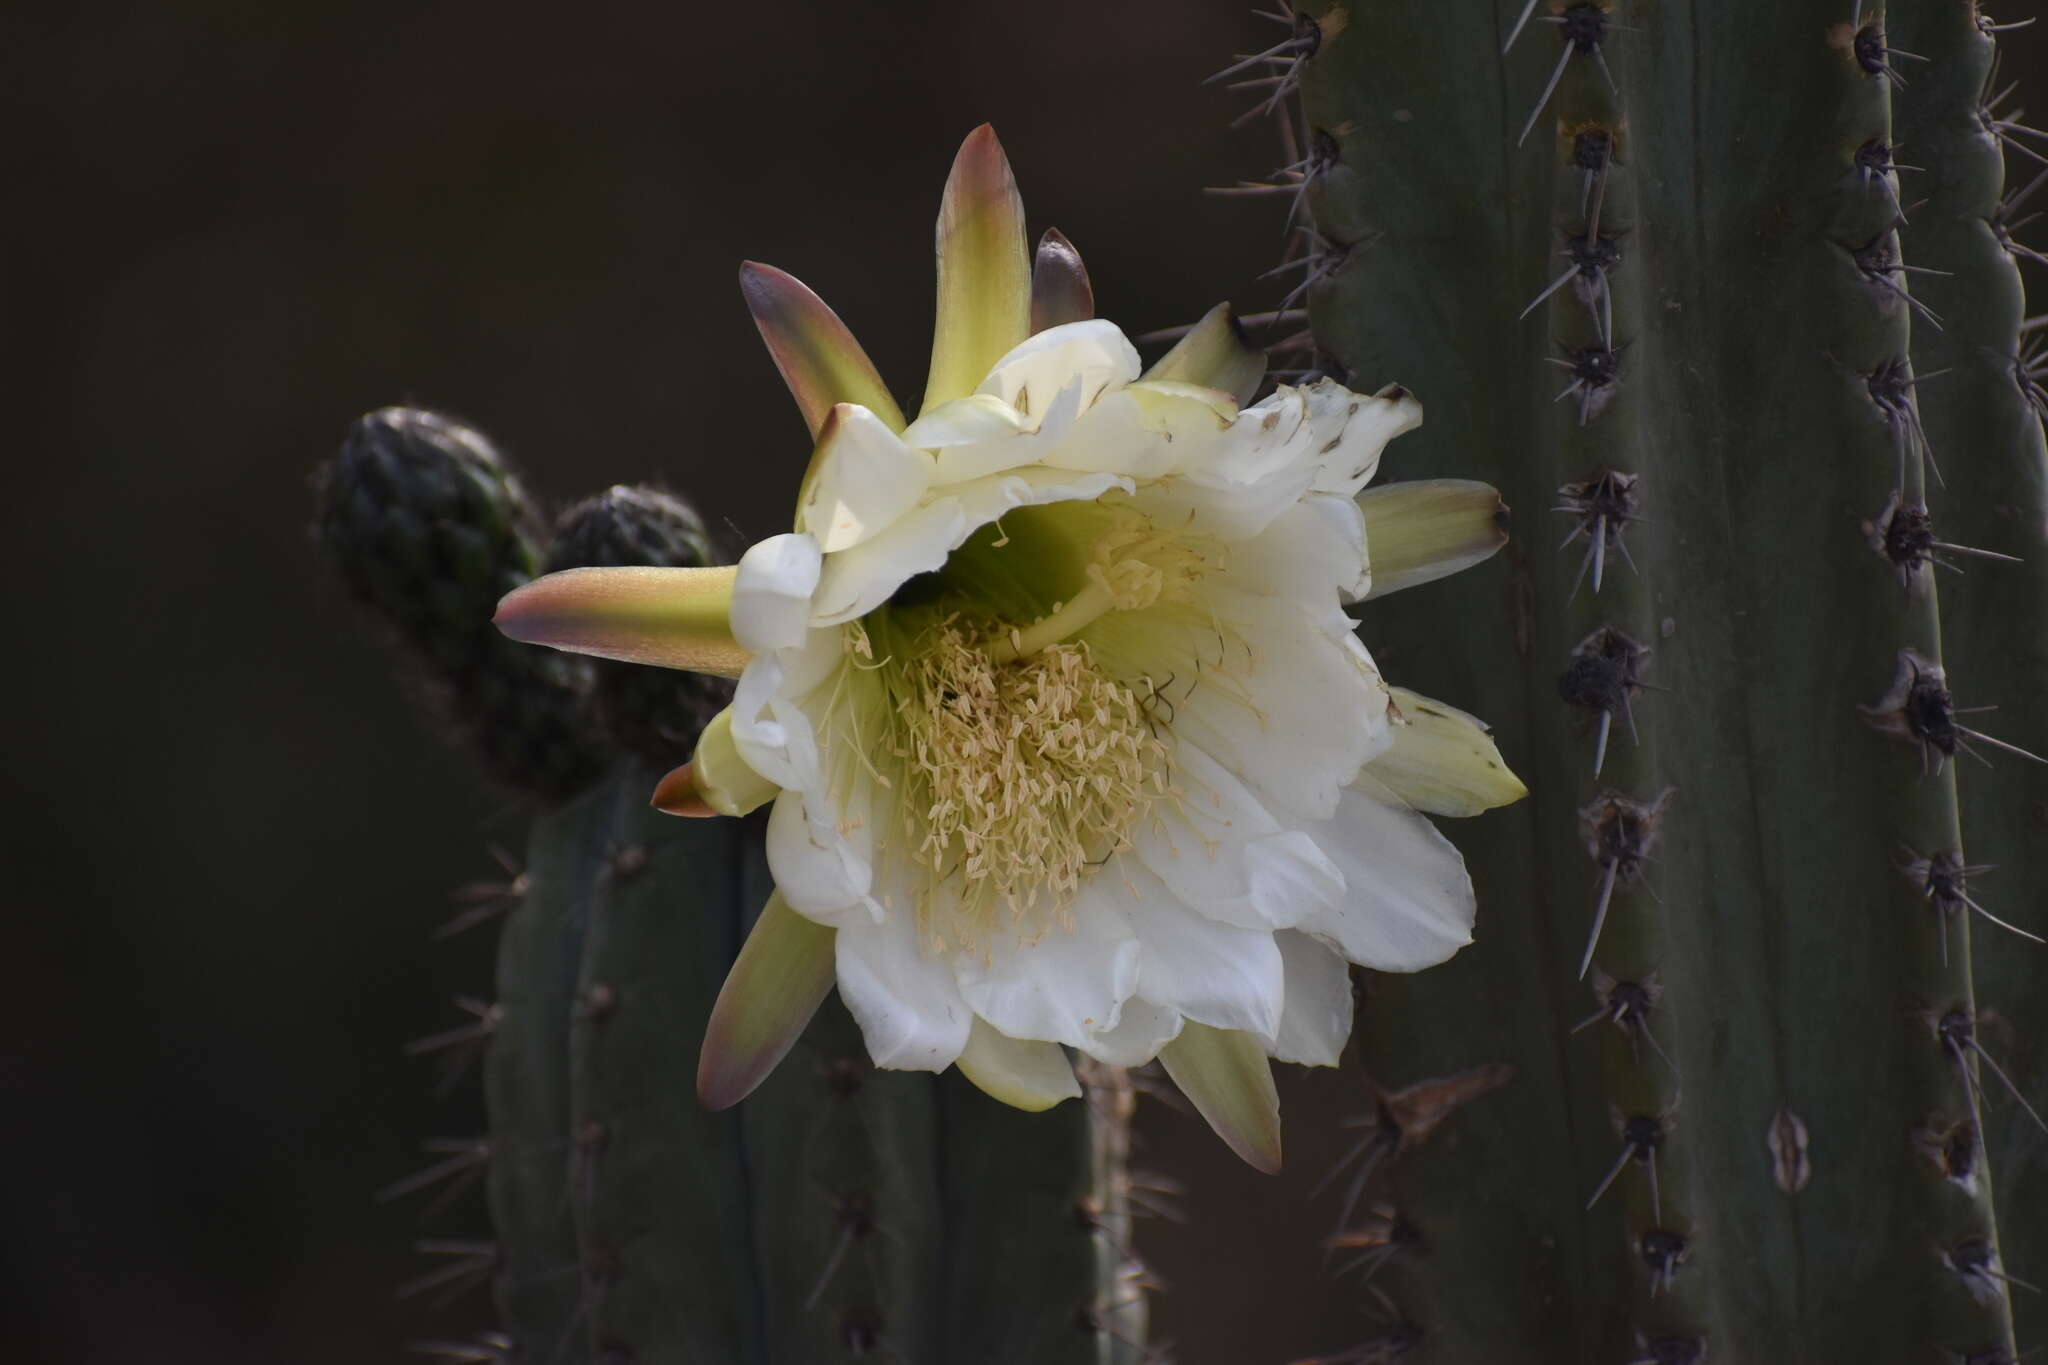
[(1981, 411), (1755, 402)]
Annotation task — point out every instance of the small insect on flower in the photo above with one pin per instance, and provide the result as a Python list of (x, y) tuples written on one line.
[(1067, 738)]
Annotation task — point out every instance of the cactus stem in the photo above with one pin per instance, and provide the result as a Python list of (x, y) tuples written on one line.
[(1952, 1148)]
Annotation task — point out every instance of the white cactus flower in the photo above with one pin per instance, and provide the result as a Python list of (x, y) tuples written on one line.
[(1067, 739)]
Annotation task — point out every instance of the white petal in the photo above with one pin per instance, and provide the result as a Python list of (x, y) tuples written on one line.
[(1210, 972), (1141, 1030), (1312, 709), (1352, 429), (770, 731), (1094, 352), (1067, 986), (771, 595), (906, 1003), (1026, 1075), (1313, 552), (820, 872), (1443, 761), (863, 477), (1147, 431), (854, 582), (1408, 901), (1220, 851), (857, 581), (1317, 1019)]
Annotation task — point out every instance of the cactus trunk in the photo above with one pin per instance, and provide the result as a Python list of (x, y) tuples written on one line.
[(1781, 1022)]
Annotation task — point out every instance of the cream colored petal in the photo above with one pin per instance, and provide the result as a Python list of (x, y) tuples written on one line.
[(984, 303), (718, 777), (1032, 1076), (672, 618), (1423, 529), (771, 593), (1093, 353), (1352, 429), (1408, 902), (856, 581), (906, 1003), (1214, 354), (818, 357), (781, 977), (863, 478), (822, 872), (1209, 971), (1066, 986), (1221, 852), (1228, 1079), (1442, 760), (1141, 1030), (1317, 1019), (1313, 552)]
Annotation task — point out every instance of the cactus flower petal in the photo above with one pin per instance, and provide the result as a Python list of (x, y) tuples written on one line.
[(1442, 761), (1068, 738), (716, 780), (1420, 531), (782, 975), (863, 477), (1228, 1079), (819, 359), (984, 305), (1409, 902), (1215, 354), (1317, 1019), (1028, 1075), (675, 618), (1060, 291)]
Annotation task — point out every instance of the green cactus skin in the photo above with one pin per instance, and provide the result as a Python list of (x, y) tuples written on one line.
[(1988, 442), (1760, 322), (429, 527), (840, 1212)]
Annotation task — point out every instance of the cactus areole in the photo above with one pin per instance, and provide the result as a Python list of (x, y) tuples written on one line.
[(1067, 738)]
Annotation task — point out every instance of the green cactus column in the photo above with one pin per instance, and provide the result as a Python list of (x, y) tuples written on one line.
[(1711, 404), (840, 1213), (1982, 419)]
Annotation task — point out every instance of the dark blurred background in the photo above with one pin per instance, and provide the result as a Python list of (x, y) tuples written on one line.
[(233, 226)]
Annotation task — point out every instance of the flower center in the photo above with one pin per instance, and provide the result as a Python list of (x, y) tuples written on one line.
[(1022, 774)]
